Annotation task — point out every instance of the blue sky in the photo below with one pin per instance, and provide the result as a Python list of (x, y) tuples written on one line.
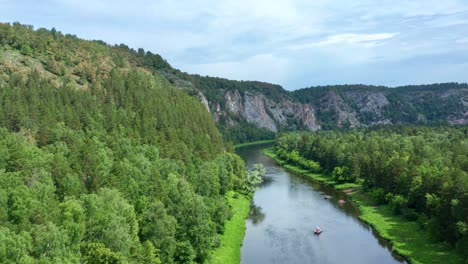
[(294, 43)]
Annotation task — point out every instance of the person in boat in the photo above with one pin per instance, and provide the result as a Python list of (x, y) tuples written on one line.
[(317, 230)]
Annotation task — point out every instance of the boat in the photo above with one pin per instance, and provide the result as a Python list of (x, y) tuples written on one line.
[(317, 231), (326, 197)]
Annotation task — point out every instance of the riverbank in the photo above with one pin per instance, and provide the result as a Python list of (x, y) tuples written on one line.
[(406, 237), (231, 241), (314, 176), (254, 143)]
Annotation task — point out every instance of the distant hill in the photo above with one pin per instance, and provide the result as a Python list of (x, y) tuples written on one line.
[(249, 110), (266, 108)]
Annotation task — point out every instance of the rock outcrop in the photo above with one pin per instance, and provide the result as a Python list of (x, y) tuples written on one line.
[(268, 114), (287, 111), (332, 102), (203, 100), (275, 109), (255, 112), (371, 103)]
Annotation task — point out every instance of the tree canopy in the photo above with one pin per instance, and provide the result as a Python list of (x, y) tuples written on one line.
[(421, 172), (102, 160)]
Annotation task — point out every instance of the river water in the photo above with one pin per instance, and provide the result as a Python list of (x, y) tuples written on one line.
[(286, 209)]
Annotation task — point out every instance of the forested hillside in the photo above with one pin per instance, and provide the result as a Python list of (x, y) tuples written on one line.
[(243, 110), (101, 159), (420, 172)]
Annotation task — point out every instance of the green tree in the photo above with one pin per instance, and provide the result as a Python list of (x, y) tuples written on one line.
[(255, 176)]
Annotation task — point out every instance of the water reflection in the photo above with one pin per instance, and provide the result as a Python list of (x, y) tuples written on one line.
[(284, 212), (256, 214), (267, 180)]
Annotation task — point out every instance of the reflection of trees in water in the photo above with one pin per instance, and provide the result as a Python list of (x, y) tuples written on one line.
[(256, 214), (267, 181)]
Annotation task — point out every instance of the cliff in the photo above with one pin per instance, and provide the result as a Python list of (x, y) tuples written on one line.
[(270, 107)]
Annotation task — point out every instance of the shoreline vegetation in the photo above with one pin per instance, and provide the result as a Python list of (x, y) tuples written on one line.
[(406, 237), (233, 236), (254, 143), (231, 240)]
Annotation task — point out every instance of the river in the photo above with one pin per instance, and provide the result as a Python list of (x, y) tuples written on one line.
[(285, 210)]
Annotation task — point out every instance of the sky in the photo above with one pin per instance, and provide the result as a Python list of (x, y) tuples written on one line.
[(294, 43)]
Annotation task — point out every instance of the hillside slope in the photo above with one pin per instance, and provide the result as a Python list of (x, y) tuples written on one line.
[(243, 110), (101, 159)]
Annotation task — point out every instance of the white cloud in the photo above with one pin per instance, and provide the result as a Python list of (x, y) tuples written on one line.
[(266, 66), (363, 40), (352, 38), (264, 40)]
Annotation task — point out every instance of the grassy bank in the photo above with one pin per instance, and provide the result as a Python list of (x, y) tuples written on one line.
[(260, 142), (314, 176), (406, 237), (231, 240)]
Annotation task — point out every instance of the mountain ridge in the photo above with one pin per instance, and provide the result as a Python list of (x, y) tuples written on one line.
[(328, 107), (243, 110)]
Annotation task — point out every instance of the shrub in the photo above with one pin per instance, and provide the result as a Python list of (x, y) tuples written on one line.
[(378, 196), (398, 204)]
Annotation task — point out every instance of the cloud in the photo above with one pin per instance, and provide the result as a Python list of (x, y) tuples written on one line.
[(285, 41), (351, 38), (265, 66)]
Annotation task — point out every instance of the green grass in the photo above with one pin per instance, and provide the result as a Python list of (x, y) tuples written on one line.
[(231, 240), (270, 152), (248, 144), (406, 237)]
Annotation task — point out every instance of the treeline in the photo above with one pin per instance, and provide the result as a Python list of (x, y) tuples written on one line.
[(124, 170), (71, 58), (244, 131), (83, 63), (421, 172)]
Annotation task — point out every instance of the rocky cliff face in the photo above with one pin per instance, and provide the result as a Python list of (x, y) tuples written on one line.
[(287, 111), (203, 100), (268, 114), (350, 109), (332, 102), (255, 112), (371, 103), (272, 108), (463, 117), (234, 102), (250, 107)]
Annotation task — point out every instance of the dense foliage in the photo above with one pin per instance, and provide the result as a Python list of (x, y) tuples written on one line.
[(245, 132), (102, 161), (422, 173), (67, 59), (233, 127)]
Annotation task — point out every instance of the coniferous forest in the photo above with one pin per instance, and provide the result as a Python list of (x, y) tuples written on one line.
[(102, 161)]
